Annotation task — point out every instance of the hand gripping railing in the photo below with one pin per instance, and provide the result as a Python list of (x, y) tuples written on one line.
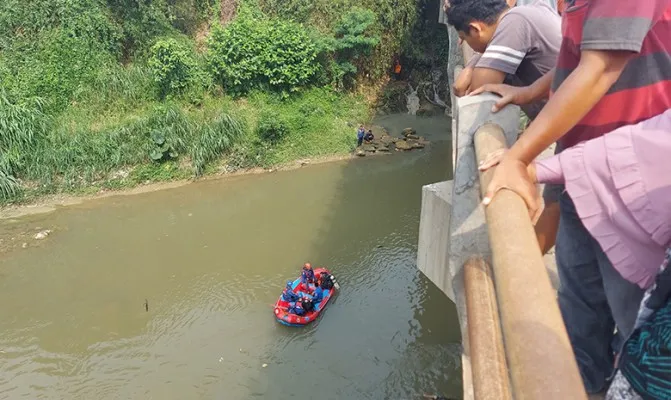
[(538, 353)]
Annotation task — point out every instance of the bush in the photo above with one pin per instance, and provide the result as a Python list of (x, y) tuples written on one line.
[(354, 39), (394, 23), (53, 66), (261, 53), (272, 128), (173, 66)]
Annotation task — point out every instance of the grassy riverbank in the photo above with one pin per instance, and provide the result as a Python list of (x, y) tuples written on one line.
[(102, 146), (110, 94)]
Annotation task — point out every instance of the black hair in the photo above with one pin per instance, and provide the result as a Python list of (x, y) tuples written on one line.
[(463, 12)]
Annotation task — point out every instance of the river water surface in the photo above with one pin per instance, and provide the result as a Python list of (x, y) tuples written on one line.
[(208, 260)]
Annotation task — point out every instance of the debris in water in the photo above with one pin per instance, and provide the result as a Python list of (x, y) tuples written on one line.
[(264, 365), (24, 245), (146, 305), (221, 359), (190, 215), (42, 235)]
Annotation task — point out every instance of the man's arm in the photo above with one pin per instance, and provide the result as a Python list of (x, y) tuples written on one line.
[(584, 87), (505, 52), (547, 226), (484, 76), (520, 96), (462, 85), (540, 89)]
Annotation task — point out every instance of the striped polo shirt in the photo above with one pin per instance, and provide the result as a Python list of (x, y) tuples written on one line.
[(644, 88), (525, 46)]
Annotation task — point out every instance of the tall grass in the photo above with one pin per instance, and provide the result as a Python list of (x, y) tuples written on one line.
[(9, 186), (21, 125), (213, 139)]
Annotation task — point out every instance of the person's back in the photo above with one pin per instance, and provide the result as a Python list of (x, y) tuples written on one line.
[(296, 308), (288, 293), (517, 45), (550, 3), (318, 294)]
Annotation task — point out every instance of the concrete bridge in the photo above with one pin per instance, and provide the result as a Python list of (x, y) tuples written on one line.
[(488, 262)]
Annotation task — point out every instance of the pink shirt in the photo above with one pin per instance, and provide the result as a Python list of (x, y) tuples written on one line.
[(621, 186)]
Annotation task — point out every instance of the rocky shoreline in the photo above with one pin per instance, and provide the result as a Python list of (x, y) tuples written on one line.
[(385, 143)]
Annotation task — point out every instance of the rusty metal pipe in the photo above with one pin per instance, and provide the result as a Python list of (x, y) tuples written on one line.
[(538, 351), (488, 359)]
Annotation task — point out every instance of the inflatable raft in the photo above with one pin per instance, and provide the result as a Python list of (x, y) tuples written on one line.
[(289, 319)]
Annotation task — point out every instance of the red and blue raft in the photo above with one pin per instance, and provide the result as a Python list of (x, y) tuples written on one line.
[(281, 307)]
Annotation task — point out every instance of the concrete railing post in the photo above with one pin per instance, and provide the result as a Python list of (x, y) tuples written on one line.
[(539, 354)]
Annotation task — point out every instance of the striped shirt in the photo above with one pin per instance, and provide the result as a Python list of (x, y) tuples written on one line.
[(525, 46), (644, 88)]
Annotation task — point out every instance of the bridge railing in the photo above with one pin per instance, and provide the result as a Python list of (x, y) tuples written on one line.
[(515, 345), (537, 348)]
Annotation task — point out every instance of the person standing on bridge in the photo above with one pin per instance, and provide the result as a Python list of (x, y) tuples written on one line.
[(614, 69), (518, 45)]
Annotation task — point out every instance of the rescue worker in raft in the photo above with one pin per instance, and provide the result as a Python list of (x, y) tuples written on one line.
[(308, 278), (288, 293), (307, 304), (318, 294), (296, 307)]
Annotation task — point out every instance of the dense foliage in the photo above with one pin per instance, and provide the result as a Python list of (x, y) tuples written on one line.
[(173, 66), (111, 93), (353, 41), (261, 53)]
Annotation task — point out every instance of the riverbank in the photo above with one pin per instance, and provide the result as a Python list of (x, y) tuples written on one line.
[(97, 146), (51, 202)]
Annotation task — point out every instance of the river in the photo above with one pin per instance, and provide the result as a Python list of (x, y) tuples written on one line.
[(167, 295)]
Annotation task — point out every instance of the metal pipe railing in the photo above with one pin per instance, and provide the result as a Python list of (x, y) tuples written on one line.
[(488, 358), (538, 351)]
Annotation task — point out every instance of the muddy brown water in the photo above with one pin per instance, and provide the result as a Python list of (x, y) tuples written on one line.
[(209, 259)]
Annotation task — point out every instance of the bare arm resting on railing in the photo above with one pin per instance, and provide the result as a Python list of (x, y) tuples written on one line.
[(538, 90), (584, 87), (599, 48)]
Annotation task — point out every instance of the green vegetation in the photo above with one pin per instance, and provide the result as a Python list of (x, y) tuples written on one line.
[(106, 94), (261, 53)]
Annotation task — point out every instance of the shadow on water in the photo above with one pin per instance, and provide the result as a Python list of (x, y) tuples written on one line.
[(211, 258)]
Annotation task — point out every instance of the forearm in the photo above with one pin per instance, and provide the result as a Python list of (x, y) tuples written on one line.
[(540, 89), (484, 76), (583, 89), (547, 226)]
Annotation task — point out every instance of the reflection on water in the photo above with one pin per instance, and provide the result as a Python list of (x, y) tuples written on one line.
[(210, 259)]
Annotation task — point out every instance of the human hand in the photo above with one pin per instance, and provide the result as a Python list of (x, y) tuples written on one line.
[(513, 174), (493, 159), (462, 84), (509, 94)]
